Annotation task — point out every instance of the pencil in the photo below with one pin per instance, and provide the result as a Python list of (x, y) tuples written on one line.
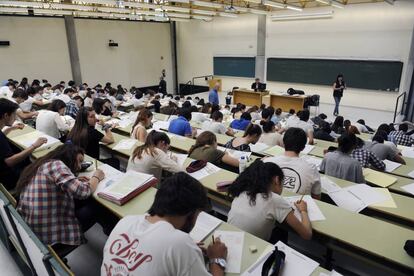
[(96, 164), (212, 237), (301, 198)]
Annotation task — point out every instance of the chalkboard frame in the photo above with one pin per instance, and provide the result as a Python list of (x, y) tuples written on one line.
[(235, 66), (369, 79)]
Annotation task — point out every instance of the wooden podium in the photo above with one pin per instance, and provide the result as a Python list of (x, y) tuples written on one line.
[(248, 97), (287, 102), (212, 83)]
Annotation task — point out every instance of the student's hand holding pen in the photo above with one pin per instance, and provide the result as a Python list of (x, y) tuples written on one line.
[(301, 205)]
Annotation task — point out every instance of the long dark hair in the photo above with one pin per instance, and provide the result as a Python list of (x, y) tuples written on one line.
[(66, 153), (56, 105), (79, 133), (337, 79), (252, 129), (142, 116), (153, 138), (204, 139), (256, 179)]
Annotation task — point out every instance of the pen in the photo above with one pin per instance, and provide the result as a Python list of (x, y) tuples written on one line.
[(96, 164), (212, 237), (301, 198)]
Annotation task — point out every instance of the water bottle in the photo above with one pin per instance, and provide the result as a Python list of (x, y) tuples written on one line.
[(242, 163)]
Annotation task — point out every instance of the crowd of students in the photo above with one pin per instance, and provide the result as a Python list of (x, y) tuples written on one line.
[(58, 206)]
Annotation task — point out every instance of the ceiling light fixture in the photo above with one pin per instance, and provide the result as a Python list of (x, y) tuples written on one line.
[(303, 16)]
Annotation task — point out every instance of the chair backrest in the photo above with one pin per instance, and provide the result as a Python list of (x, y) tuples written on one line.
[(57, 265), (4, 202), (8, 195), (37, 252)]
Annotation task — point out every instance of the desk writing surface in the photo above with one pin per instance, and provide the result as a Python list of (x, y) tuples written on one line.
[(18, 132)]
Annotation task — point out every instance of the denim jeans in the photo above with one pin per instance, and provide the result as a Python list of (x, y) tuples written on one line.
[(337, 101)]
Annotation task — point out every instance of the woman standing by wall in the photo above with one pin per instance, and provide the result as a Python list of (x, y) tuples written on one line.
[(338, 91)]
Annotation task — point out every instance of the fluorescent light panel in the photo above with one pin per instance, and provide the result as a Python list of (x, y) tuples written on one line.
[(337, 4), (202, 17), (226, 14), (178, 9), (204, 12), (13, 10), (22, 4), (274, 4), (207, 4), (293, 8), (316, 15)]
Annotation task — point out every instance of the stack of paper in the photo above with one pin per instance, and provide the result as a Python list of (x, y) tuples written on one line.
[(204, 226), (347, 200), (209, 169), (307, 149), (328, 185), (409, 188), (234, 242), (258, 147), (378, 178), (366, 193), (314, 212), (274, 151), (29, 138), (390, 165), (125, 144)]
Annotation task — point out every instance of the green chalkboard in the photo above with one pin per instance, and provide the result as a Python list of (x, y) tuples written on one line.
[(373, 75), (234, 66)]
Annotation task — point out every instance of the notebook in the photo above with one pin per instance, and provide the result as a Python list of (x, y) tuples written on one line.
[(378, 178)]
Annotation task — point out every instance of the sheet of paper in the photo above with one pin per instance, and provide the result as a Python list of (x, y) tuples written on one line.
[(328, 185), (258, 147), (111, 175), (408, 152), (205, 225), (390, 165), (29, 138), (125, 122), (314, 212), (160, 125), (256, 268), (332, 273), (348, 201), (275, 151), (209, 169), (312, 160), (378, 178), (295, 262), (366, 193), (235, 153), (125, 144), (180, 158), (388, 203), (130, 181), (409, 188), (411, 174), (234, 241), (307, 149)]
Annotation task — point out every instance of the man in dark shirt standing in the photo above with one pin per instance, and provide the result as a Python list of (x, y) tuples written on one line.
[(162, 86), (257, 85)]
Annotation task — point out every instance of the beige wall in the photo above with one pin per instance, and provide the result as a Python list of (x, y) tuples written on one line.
[(38, 49), (373, 31)]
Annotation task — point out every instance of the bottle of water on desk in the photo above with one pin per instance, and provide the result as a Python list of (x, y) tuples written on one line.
[(242, 163)]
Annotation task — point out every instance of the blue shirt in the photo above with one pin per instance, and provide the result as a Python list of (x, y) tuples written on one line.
[(180, 126), (213, 97), (240, 124)]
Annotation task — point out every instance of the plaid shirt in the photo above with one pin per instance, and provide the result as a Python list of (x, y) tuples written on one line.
[(47, 204), (368, 159), (401, 138), (71, 109)]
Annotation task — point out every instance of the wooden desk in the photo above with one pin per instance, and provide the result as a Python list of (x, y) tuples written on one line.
[(286, 102), (248, 97)]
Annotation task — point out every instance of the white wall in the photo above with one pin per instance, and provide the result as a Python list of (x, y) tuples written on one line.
[(136, 61), (38, 49), (369, 31)]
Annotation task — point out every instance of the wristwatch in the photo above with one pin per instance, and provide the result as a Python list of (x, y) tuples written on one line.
[(220, 261)]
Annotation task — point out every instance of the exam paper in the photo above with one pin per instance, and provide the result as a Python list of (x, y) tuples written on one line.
[(295, 262), (29, 138), (234, 241), (366, 193), (160, 125), (206, 171), (314, 212), (328, 185), (126, 184), (348, 201), (125, 144), (111, 175), (409, 188), (408, 152), (388, 203), (307, 149), (235, 153), (275, 151), (411, 174), (180, 158), (205, 224), (391, 166), (258, 147)]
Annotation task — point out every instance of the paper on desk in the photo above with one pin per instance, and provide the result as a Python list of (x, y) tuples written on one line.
[(328, 185), (408, 188), (29, 138), (235, 153), (312, 160), (125, 144), (390, 165), (160, 125), (258, 147), (127, 183), (307, 149), (314, 212), (388, 203), (111, 175), (408, 152), (234, 241), (378, 178), (366, 193), (256, 268), (205, 224), (348, 201), (411, 174), (206, 171), (275, 151), (332, 273), (180, 158), (124, 122)]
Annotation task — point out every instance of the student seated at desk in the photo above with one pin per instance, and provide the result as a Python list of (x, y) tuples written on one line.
[(304, 124), (216, 125), (257, 204), (32, 93), (324, 132), (152, 157), (300, 176), (19, 96), (66, 96), (243, 122), (143, 121), (181, 125), (362, 127), (90, 96), (250, 136), (367, 158), (340, 164), (51, 122), (270, 136), (205, 148), (338, 125), (158, 243), (401, 137), (156, 103), (73, 106), (383, 151), (277, 117), (266, 116), (54, 202), (84, 135), (12, 161)]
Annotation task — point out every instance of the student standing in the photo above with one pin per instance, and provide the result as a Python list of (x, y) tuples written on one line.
[(11, 162), (213, 97), (143, 121), (158, 243), (51, 122), (338, 91), (300, 176), (257, 204)]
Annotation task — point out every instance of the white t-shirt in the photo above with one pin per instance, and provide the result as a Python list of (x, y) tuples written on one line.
[(138, 247), (88, 102), (301, 177), (137, 102), (5, 92), (26, 106), (64, 97), (301, 124), (214, 127), (361, 128), (51, 123), (260, 218), (271, 139), (199, 117)]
